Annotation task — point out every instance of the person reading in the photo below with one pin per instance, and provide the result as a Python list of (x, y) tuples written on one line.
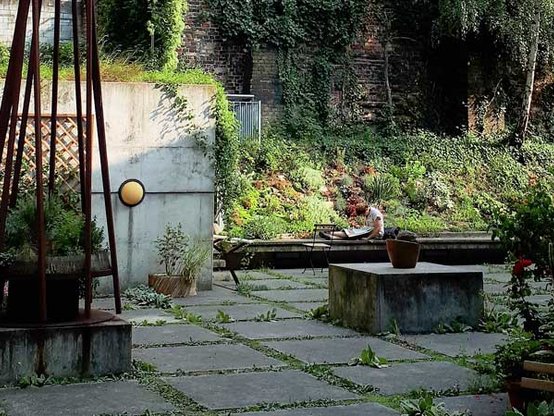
[(374, 228)]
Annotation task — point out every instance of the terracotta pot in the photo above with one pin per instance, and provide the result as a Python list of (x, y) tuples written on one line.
[(403, 254), (174, 286)]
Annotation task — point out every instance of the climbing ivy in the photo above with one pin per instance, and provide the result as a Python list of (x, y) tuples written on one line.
[(147, 28), (312, 38), (224, 153)]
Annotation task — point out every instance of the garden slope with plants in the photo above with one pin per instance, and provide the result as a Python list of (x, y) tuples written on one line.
[(424, 182)]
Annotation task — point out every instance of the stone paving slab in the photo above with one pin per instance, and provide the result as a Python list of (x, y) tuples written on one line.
[(453, 345), (172, 334), (341, 350), (496, 288), (301, 273), (541, 300), (107, 304), (290, 328), (306, 306), (247, 275), (404, 378), (83, 400), (300, 295), (231, 391), (205, 358), (482, 405), (216, 296), (241, 312), (275, 284), (150, 316), (363, 409)]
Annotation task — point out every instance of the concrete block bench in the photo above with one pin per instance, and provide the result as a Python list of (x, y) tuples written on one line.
[(374, 295)]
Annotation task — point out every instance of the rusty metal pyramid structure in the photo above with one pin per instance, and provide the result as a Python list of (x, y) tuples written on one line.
[(11, 116)]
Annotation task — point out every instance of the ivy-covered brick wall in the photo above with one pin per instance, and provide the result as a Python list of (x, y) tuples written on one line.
[(205, 47), (257, 73)]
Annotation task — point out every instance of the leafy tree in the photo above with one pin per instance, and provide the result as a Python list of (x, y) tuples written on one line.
[(522, 29)]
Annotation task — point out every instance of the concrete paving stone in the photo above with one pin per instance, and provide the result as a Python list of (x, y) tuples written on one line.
[(303, 273), (83, 400), (299, 295), (499, 277), (453, 345), (151, 316), (107, 304), (541, 300), (172, 334), (404, 378), (246, 312), (273, 284), (362, 409), (247, 275), (341, 350), (216, 296), (289, 328), (306, 306), (482, 405), (232, 391), (205, 358), (495, 288), (316, 282)]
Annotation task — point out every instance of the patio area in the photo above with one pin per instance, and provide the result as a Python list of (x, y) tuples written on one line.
[(259, 351)]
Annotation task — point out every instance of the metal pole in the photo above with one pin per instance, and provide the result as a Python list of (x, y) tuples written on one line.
[(54, 112), (102, 146), (88, 162), (78, 100), (38, 155)]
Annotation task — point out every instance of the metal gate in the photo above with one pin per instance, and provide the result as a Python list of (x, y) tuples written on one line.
[(249, 115)]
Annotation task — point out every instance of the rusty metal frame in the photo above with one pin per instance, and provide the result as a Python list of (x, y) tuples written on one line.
[(94, 114)]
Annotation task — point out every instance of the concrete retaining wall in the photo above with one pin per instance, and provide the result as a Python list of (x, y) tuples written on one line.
[(146, 142)]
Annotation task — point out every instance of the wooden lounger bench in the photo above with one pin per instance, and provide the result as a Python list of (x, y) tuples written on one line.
[(536, 383)]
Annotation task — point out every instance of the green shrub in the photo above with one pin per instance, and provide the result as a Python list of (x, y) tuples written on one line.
[(309, 178), (410, 171), (381, 187), (437, 191), (420, 223), (65, 57), (265, 227), (4, 55)]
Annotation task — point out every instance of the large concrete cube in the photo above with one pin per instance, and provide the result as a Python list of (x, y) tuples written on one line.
[(372, 297)]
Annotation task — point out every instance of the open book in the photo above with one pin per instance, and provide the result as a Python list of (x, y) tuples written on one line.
[(357, 232)]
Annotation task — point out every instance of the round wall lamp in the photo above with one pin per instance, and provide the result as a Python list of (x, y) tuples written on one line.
[(131, 192)]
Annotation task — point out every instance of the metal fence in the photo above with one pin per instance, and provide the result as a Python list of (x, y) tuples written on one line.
[(249, 115)]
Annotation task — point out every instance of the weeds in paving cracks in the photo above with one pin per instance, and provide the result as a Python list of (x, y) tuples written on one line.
[(269, 316)]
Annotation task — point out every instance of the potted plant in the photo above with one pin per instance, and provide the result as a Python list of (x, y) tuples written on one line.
[(64, 260), (182, 258), (527, 233), (404, 250)]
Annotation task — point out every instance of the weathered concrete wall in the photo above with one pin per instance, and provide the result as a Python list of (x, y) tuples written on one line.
[(148, 143), (68, 351), (8, 12)]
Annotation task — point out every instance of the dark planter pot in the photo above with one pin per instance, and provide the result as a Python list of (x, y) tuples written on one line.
[(62, 300), (62, 287), (403, 254)]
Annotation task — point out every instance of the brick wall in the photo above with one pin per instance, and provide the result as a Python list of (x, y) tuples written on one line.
[(204, 47), (8, 12)]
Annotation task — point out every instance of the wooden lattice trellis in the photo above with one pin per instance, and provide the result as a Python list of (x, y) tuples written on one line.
[(67, 152)]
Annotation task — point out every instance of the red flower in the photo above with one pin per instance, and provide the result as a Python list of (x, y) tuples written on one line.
[(520, 266)]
